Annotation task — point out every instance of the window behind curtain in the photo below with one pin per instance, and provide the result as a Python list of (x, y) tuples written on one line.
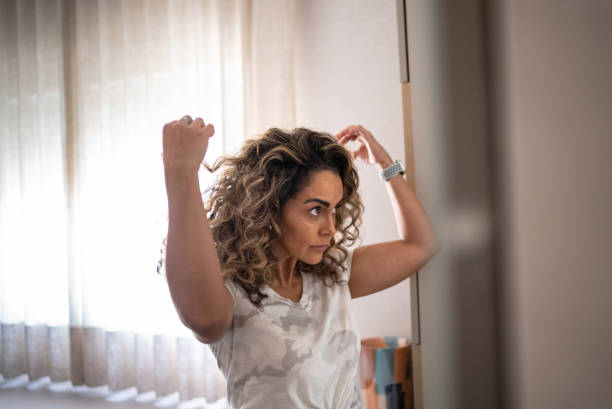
[(85, 88)]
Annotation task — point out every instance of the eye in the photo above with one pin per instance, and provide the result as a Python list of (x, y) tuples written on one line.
[(315, 211)]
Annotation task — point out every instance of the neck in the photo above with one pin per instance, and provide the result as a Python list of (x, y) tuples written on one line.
[(285, 274)]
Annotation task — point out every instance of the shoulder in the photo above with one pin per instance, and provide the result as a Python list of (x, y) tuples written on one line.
[(234, 289)]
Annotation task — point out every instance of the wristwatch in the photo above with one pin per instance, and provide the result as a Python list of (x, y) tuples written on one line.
[(396, 169)]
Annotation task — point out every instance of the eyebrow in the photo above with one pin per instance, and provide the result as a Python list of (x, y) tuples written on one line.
[(323, 202)]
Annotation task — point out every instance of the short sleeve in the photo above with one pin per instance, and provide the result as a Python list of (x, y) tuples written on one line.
[(346, 274), (233, 289)]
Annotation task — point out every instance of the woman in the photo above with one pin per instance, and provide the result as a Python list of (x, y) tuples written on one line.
[(267, 281)]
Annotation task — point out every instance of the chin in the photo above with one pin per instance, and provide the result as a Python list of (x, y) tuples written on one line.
[(312, 260)]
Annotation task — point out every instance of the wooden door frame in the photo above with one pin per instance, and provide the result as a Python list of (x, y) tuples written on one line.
[(416, 375)]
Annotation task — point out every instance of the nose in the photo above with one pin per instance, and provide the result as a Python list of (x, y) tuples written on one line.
[(329, 225)]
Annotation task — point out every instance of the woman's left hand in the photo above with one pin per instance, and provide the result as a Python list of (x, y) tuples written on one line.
[(369, 150)]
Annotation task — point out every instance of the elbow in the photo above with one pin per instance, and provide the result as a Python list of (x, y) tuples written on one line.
[(209, 335), (429, 252), (192, 324), (432, 251), (208, 325), (213, 327), (432, 245), (430, 248), (212, 332), (196, 323)]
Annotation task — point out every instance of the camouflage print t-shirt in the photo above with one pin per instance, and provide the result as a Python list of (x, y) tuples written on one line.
[(292, 354)]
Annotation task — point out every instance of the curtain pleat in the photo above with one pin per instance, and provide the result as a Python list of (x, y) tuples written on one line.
[(95, 357), (85, 88)]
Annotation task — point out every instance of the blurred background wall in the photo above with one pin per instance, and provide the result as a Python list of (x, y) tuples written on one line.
[(551, 63), (347, 73)]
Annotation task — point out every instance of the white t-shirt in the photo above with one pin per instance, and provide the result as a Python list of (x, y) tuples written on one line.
[(292, 354)]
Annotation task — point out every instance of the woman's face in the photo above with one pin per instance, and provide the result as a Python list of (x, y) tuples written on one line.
[(307, 219)]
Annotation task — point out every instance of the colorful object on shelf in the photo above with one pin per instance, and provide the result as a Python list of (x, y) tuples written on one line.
[(385, 373)]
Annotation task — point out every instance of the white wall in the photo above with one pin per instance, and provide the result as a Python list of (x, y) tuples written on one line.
[(347, 73)]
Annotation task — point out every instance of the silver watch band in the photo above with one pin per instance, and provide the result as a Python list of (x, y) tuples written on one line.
[(396, 169)]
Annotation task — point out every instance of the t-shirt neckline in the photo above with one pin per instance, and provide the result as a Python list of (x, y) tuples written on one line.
[(303, 299)]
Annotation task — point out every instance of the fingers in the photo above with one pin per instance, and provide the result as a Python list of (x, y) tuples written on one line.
[(352, 132), (344, 132), (352, 137), (349, 131), (345, 135), (210, 129), (197, 123)]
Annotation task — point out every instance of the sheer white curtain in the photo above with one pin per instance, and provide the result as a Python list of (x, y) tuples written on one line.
[(85, 88)]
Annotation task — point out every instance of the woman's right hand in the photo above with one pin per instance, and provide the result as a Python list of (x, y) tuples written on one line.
[(185, 145)]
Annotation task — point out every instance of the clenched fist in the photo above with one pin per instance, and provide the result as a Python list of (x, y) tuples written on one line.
[(185, 144)]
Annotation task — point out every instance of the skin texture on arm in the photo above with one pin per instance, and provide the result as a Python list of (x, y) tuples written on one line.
[(193, 270), (379, 266)]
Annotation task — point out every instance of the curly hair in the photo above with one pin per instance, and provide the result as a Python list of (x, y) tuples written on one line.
[(246, 202)]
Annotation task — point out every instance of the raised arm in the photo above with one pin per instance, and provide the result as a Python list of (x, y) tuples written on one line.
[(193, 271), (378, 266)]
